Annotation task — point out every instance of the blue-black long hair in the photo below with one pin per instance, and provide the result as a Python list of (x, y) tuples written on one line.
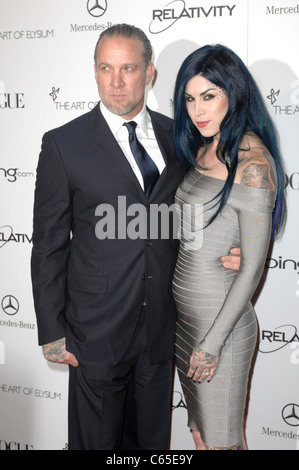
[(246, 112)]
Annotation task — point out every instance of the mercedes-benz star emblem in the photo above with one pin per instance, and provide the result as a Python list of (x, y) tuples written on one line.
[(97, 8), (290, 414), (10, 305)]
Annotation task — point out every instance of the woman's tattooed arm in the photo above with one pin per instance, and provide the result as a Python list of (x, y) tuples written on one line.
[(258, 171)]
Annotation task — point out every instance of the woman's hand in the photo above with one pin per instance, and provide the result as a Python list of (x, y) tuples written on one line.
[(232, 260), (202, 365)]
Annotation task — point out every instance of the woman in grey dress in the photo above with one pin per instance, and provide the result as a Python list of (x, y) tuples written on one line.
[(231, 196)]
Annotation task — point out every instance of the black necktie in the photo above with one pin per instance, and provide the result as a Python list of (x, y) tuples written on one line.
[(146, 165)]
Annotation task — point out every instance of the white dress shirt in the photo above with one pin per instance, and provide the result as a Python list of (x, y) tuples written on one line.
[(145, 134)]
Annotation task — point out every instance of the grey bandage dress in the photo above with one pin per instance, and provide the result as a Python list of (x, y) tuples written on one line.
[(213, 303)]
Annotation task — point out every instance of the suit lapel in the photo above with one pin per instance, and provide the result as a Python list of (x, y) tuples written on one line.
[(109, 148), (164, 136)]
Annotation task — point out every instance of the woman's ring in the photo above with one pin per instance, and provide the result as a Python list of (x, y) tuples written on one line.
[(207, 373)]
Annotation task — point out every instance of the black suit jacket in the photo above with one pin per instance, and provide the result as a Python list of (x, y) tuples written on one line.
[(87, 289)]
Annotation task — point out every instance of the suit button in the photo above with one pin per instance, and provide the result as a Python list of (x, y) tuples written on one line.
[(148, 243), (144, 277)]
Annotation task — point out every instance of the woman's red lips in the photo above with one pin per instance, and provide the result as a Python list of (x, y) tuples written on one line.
[(202, 123)]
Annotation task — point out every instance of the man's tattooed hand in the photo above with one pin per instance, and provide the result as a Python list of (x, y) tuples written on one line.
[(56, 352), (202, 365)]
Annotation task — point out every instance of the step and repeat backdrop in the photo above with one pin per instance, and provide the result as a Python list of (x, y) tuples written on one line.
[(47, 79)]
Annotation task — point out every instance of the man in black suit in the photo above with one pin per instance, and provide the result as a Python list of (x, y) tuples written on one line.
[(103, 296), (109, 297)]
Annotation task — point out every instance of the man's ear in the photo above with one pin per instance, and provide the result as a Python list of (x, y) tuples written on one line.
[(150, 72)]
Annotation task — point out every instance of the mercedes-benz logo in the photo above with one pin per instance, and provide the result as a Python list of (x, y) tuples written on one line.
[(10, 305), (97, 8), (290, 414)]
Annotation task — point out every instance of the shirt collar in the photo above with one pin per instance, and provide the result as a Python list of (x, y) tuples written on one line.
[(115, 122)]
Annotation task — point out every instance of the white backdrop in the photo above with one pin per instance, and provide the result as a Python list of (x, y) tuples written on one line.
[(46, 79)]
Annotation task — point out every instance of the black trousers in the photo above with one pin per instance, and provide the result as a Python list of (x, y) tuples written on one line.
[(124, 406)]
